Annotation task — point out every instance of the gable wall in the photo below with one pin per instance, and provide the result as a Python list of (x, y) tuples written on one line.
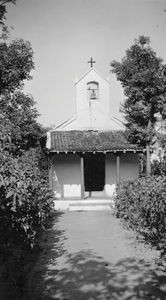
[(92, 115)]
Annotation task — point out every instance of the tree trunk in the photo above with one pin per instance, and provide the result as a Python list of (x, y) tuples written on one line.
[(148, 163)]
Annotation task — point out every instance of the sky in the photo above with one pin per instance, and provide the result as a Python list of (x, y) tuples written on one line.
[(65, 34)]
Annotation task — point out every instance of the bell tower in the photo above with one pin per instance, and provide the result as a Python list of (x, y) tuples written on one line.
[(92, 99), (93, 103)]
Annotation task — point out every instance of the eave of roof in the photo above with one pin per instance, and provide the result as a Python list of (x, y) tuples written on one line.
[(75, 141)]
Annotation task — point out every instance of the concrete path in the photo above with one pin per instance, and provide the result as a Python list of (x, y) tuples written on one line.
[(89, 255)]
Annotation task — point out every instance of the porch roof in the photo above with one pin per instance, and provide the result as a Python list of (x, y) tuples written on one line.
[(90, 141)]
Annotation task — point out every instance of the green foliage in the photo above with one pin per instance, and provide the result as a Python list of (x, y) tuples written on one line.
[(159, 167), (26, 205), (26, 201), (143, 77), (3, 10), (16, 62), (18, 118), (25, 198), (18, 121), (142, 205)]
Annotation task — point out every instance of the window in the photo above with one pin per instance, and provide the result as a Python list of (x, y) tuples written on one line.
[(93, 90)]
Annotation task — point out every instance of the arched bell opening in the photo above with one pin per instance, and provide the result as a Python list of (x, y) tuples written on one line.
[(93, 90)]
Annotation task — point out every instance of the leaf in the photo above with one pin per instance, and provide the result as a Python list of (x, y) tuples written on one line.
[(14, 204), (9, 194), (20, 201)]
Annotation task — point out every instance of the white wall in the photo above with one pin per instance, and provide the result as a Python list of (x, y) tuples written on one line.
[(95, 114), (66, 170), (82, 100), (129, 170), (129, 166)]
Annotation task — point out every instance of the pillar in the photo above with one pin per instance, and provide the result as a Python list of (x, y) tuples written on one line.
[(82, 179), (117, 168)]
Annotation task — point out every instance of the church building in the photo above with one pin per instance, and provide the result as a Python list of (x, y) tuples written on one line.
[(89, 154)]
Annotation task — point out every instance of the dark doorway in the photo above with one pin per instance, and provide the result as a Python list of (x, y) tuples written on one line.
[(94, 172)]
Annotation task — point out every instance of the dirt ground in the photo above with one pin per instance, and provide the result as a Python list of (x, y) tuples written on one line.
[(89, 255)]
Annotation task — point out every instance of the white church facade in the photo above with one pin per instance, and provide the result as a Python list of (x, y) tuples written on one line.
[(89, 154)]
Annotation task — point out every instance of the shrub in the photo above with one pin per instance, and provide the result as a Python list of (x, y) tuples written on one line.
[(26, 203), (142, 204), (159, 167)]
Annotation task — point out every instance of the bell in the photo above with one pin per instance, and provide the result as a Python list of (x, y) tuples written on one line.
[(93, 95)]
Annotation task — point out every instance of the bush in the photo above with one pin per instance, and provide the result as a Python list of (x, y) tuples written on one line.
[(142, 204), (159, 167), (26, 203)]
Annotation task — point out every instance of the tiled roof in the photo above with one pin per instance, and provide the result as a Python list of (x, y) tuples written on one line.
[(76, 140)]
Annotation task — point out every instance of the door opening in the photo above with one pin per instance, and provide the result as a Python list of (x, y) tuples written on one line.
[(94, 172)]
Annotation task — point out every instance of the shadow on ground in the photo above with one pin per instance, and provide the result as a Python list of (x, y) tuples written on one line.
[(50, 248), (86, 276)]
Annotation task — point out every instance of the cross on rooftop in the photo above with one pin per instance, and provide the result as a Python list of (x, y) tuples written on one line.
[(91, 62)]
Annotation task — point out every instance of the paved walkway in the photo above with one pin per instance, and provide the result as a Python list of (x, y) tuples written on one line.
[(89, 255)]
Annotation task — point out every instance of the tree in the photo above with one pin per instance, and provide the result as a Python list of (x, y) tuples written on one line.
[(3, 11), (16, 63), (143, 77), (26, 199), (18, 120)]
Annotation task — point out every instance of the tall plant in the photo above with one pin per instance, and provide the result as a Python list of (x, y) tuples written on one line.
[(143, 78)]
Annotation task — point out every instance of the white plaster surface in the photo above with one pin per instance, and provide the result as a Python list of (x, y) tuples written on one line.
[(68, 170), (94, 114), (68, 174)]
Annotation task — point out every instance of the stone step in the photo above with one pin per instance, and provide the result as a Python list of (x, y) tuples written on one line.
[(89, 207), (77, 205)]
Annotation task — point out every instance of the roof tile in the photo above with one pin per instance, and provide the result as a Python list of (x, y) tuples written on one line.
[(76, 140)]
